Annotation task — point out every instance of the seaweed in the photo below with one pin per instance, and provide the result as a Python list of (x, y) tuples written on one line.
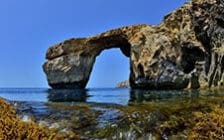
[(208, 125), (12, 127)]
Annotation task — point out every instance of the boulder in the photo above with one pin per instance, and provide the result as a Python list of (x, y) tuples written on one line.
[(186, 50)]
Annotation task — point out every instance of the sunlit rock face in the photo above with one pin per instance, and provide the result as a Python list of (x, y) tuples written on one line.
[(185, 51)]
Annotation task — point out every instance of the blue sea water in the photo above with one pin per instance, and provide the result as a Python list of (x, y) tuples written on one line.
[(96, 95), (120, 96)]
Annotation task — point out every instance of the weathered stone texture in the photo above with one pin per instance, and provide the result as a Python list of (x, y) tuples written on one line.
[(185, 51)]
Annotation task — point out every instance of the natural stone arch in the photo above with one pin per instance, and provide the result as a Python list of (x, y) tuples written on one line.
[(71, 62), (186, 50)]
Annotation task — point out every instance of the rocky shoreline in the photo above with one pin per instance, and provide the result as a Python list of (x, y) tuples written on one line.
[(158, 115), (184, 51)]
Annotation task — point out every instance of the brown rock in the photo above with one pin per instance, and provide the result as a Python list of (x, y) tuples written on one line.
[(184, 51), (123, 84)]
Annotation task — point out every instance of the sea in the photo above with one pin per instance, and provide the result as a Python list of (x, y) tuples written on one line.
[(96, 95), (120, 96)]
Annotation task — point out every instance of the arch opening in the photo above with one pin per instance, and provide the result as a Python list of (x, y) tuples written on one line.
[(110, 68)]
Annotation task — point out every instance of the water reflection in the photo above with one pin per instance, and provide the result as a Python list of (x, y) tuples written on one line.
[(139, 96), (77, 95), (119, 96), (126, 96)]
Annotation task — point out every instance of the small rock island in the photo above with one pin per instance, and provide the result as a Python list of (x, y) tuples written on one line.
[(123, 84), (186, 50)]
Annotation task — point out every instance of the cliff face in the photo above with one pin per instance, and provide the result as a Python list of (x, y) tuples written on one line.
[(185, 51)]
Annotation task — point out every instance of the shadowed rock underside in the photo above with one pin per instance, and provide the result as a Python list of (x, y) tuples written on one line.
[(186, 50)]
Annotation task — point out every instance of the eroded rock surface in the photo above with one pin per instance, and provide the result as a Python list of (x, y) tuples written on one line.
[(185, 51)]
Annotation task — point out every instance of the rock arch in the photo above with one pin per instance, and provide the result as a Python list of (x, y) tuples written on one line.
[(70, 63), (186, 50)]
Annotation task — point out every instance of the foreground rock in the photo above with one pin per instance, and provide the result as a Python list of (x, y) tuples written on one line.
[(185, 51)]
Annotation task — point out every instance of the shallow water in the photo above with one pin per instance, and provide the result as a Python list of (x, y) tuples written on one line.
[(118, 113), (120, 96), (97, 95)]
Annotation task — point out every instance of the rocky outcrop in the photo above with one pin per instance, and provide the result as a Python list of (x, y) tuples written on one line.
[(123, 84), (185, 51)]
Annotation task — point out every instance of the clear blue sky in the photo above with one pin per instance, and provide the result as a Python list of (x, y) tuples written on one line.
[(29, 27)]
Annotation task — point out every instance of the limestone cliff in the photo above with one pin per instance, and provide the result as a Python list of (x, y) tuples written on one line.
[(185, 51)]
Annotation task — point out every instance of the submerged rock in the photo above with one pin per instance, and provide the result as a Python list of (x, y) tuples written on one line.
[(181, 114), (186, 50)]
